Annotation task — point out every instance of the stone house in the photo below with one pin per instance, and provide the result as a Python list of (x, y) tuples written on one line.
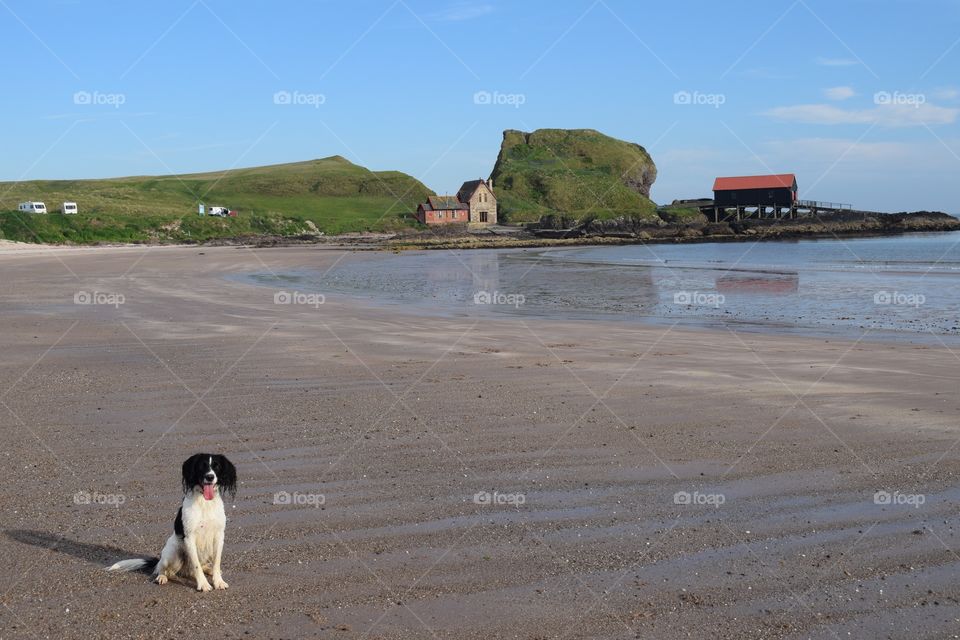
[(475, 203), (483, 203)]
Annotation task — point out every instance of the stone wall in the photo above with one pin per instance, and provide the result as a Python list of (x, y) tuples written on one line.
[(483, 201)]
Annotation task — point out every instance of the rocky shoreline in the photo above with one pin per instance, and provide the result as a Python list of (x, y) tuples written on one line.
[(852, 225), (612, 232)]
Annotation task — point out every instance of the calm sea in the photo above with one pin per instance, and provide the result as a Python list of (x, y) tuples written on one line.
[(892, 287)]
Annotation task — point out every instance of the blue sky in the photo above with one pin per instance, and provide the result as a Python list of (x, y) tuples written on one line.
[(860, 98)]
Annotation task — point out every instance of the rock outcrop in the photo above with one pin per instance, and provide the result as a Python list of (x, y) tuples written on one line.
[(576, 173)]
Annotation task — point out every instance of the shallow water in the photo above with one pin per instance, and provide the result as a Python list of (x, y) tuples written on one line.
[(903, 286)]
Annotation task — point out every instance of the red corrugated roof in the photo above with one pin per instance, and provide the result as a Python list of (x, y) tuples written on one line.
[(755, 182)]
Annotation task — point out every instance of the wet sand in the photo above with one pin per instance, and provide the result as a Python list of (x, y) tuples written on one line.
[(589, 433)]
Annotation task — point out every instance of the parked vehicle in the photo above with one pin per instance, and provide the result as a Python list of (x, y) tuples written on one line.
[(69, 208), (33, 207), (220, 212)]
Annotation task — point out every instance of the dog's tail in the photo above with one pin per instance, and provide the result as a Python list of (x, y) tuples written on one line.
[(143, 565)]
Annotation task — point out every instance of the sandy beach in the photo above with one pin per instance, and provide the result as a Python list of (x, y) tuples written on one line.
[(415, 475)]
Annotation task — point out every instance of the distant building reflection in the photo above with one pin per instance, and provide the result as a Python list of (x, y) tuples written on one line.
[(467, 271), (759, 283)]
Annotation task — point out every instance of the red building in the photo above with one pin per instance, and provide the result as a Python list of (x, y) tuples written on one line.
[(443, 210), (751, 191), (474, 204)]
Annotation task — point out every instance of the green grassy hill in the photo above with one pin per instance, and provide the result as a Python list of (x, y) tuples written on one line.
[(333, 195), (578, 173)]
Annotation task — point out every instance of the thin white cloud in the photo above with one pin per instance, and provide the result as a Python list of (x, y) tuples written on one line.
[(839, 93), (946, 93), (461, 12), (885, 115), (837, 62), (827, 150)]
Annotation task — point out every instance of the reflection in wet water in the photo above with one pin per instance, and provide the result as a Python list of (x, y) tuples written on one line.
[(827, 288), (762, 283), (461, 279)]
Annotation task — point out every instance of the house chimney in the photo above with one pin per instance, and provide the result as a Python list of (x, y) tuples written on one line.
[(490, 184)]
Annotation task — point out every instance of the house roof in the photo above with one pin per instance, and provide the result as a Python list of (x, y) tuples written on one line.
[(443, 203), (468, 189), (779, 181)]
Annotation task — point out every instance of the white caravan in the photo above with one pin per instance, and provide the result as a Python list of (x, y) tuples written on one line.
[(33, 207), (69, 208)]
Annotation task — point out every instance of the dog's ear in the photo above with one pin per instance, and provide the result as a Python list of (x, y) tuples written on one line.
[(226, 476), (191, 474)]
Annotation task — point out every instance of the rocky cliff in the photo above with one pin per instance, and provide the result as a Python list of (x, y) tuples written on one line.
[(576, 173)]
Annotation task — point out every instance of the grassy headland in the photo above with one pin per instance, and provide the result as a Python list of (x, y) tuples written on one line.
[(331, 195)]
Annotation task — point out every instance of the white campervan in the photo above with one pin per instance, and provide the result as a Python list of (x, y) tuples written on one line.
[(69, 208), (33, 207)]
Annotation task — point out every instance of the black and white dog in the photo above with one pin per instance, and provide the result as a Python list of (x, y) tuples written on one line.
[(196, 546)]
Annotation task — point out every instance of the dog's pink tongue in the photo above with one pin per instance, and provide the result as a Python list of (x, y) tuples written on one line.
[(208, 490)]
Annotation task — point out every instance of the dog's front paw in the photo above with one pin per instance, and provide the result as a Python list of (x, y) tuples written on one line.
[(218, 583), (204, 585), (161, 579)]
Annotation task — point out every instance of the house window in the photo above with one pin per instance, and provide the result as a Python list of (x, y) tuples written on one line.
[(483, 216)]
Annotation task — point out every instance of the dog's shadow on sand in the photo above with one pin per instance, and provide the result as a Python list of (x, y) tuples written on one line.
[(98, 554)]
